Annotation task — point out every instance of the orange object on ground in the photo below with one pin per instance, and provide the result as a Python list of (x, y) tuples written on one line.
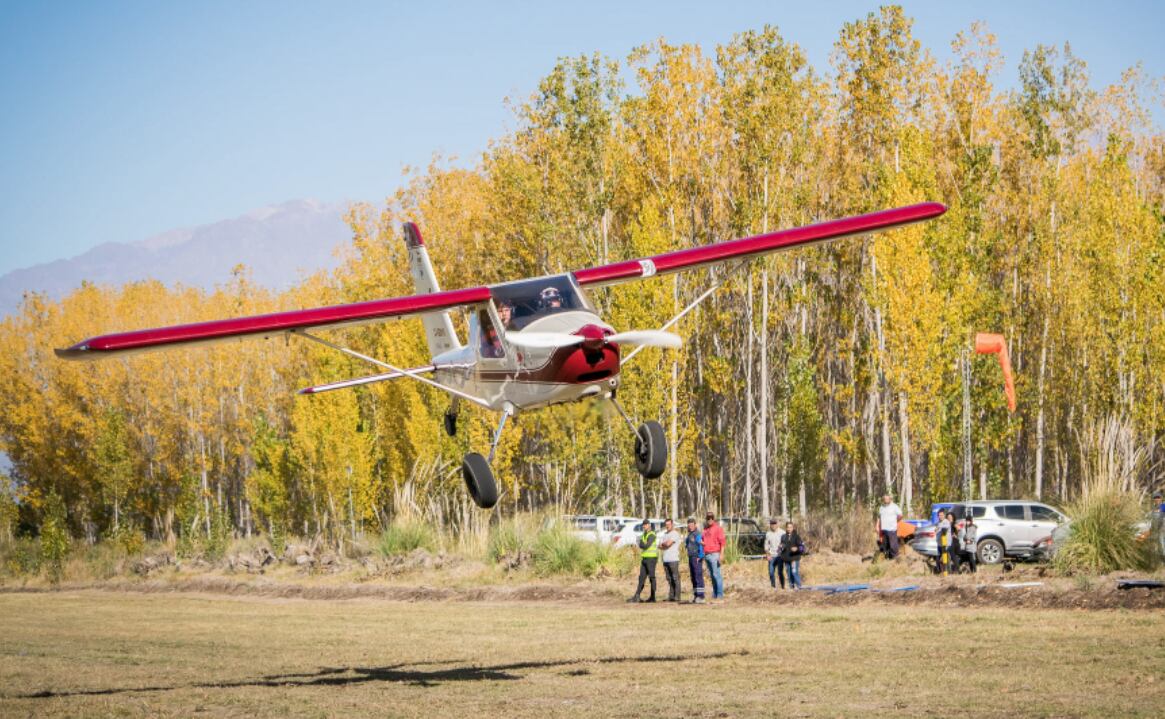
[(991, 344), (905, 530)]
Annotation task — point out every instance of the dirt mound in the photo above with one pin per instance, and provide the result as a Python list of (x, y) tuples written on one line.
[(962, 593)]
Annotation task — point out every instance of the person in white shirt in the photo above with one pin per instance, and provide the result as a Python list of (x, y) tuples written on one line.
[(670, 544), (773, 553), (889, 515)]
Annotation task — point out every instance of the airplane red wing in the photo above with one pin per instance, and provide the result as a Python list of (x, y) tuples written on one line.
[(272, 324), (758, 245)]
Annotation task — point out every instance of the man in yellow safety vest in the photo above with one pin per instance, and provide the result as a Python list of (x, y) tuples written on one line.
[(649, 555)]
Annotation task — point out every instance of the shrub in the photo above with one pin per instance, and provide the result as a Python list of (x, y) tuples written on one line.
[(403, 537), (1102, 534), (511, 538), (129, 539), (558, 551), (610, 561), (54, 538), (22, 556), (849, 530), (278, 538), (220, 535), (731, 553), (103, 560)]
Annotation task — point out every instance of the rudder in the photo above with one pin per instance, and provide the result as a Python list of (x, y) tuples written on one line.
[(438, 325)]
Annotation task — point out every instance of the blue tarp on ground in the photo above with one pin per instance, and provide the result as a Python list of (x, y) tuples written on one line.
[(847, 588)]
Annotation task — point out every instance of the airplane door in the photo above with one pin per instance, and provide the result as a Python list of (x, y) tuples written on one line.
[(487, 341)]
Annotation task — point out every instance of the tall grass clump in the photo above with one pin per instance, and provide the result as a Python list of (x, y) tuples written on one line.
[(1102, 534), (406, 535), (848, 530), (512, 538), (558, 551)]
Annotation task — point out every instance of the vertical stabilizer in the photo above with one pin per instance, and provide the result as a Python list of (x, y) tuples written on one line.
[(438, 326)]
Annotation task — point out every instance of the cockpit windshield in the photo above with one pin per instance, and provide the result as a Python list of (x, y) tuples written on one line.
[(520, 303)]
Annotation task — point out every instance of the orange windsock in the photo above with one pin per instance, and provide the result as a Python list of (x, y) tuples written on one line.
[(989, 344)]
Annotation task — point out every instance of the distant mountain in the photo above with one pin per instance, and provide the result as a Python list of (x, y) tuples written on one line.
[(279, 244)]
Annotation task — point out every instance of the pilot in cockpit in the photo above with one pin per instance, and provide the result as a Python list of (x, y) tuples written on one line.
[(550, 299), (491, 344), (506, 312)]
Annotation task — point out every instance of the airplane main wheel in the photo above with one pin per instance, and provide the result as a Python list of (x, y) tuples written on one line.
[(479, 480), (451, 424), (650, 450)]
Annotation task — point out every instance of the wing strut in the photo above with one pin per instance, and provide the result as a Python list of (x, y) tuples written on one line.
[(403, 372), (703, 296)]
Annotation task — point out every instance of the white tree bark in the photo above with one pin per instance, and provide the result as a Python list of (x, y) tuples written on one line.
[(763, 430), (907, 477), (748, 411)]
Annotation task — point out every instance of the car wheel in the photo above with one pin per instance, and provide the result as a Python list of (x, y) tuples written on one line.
[(990, 551)]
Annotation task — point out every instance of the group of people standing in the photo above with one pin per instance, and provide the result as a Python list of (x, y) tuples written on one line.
[(957, 539), (703, 548), (957, 544), (783, 550)]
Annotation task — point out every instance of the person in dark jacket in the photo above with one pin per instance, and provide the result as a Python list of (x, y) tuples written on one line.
[(791, 551), (942, 537), (968, 542), (956, 548), (649, 555), (694, 546)]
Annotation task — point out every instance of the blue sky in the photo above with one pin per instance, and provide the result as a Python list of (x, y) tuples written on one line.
[(120, 120)]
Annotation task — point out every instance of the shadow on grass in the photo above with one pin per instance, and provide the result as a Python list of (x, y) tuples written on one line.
[(424, 674)]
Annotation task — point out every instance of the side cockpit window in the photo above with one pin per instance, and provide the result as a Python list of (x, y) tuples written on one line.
[(491, 344)]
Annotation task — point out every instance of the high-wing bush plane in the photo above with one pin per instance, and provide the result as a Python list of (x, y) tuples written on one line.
[(531, 343)]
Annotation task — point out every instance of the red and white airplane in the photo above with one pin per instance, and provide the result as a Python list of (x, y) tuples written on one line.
[(532, 343)]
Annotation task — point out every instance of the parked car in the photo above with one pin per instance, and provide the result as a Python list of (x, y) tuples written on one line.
[(746, 532), (908, 528), (628, 535), (599, 528), (1007, 528)]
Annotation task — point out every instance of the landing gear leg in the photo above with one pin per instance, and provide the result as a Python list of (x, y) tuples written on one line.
[(650, 444), (451, 417), (479, 478)]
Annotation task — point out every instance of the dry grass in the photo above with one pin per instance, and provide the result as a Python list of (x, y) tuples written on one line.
[(99, 654)]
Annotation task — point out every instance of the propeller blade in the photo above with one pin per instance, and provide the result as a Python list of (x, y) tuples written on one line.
[(543, 340), (647, 338)]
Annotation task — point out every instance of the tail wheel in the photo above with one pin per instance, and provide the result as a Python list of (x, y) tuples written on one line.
[(451, 424), (479, 480), (650, 450), (990, 551)]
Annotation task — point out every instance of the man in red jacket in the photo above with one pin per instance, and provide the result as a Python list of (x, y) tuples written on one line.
[(714, 541)]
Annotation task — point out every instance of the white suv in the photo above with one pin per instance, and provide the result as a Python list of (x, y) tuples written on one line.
[(597, 528), (1007, 528)]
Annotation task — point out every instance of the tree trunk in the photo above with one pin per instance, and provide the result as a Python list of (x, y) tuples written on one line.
[(763, 429), (907, 478), (1039, 488), (748, 409)]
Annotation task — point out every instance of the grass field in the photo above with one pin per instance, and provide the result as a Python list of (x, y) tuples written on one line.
[(95, 653)]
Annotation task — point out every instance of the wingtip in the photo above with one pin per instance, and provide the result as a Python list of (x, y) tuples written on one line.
[(76, 352)]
